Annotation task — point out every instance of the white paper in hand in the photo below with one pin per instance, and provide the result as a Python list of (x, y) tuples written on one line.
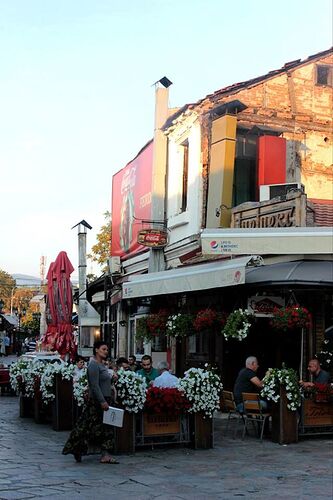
[(113, 416)]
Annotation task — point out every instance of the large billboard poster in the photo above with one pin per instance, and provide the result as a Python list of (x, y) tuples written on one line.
[(131, 202)]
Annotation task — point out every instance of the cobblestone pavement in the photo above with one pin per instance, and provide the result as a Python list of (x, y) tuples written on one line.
[(31, 466)]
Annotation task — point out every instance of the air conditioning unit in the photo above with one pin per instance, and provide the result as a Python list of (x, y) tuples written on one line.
[(269, 191), (114, 265)]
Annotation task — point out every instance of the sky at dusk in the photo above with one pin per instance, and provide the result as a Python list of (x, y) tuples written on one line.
[(77, 101)]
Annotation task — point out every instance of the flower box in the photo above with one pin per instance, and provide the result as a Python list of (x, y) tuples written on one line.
[(62, 405), (26, 406), (284, 421), (316, 417), (125, 435), (202, 431), (160, 424)]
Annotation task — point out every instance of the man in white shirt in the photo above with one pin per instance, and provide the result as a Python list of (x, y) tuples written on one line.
[(165, 379)]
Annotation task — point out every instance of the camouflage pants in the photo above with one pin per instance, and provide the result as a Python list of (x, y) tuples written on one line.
[(90, 430)]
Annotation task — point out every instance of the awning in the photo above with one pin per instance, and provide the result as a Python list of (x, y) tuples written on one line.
[(318, 273), (217, 274), (273, 241)]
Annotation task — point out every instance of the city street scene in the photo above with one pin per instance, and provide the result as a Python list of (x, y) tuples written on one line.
[(166, 261)]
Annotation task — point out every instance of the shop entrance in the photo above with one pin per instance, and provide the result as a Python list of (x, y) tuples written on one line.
[(272, 348)]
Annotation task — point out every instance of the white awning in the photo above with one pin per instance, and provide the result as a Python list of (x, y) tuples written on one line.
[(273, 241), (215, 274)]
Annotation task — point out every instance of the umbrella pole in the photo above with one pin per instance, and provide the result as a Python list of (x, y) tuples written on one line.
[(302, 350)]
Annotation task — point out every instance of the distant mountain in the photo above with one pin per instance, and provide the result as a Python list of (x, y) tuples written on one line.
[(26, 280)]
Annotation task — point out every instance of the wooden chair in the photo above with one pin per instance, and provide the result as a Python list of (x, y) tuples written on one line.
[(254, 413), (229, 405)]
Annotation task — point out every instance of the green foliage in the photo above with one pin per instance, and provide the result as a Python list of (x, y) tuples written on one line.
[(7, 285), (142, 331), (101, 250)]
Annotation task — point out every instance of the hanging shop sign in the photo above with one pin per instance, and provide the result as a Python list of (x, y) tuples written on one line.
[(153, 238), (262, 306)]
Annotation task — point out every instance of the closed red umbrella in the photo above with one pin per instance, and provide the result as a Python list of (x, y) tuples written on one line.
[(59, 333)]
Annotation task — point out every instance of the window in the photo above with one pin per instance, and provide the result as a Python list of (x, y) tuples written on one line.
[(183, 205), (324, 75)]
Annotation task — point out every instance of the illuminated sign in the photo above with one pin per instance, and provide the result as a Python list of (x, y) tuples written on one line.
[(153, 238)]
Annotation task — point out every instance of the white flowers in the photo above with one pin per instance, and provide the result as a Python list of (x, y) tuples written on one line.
[(25, 375), (131, 390), (80, 388), (202, 388), (237, 325), (47, 378), (286, 377)]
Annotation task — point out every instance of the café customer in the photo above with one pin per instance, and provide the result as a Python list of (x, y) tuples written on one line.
[(317, 374), (248, 381), (147, 371)]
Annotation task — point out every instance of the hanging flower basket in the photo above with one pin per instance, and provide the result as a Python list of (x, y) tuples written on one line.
[(156, 323), (151, 326), (238, 325), (179, 325), (208, 319), (290, 317)]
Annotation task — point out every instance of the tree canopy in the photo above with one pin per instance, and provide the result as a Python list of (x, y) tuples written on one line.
[(7, 287), (101, 250)]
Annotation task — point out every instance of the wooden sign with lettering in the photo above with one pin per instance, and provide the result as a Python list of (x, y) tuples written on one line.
[(271, 213), (159, 424), (317, 414)]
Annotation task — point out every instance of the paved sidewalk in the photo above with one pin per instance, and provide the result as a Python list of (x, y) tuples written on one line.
[(31, 466)]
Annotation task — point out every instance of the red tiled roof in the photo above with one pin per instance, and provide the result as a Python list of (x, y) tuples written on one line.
[(323, 212)]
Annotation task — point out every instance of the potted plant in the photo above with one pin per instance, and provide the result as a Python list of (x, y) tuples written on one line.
[(131, 395), (291, 317), (179, 325), (202, 387), (237, 325), (281, 386)]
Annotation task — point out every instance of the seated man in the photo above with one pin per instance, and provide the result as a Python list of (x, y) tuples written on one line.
[(147, 371), (318, 375), (165, 379), (247, 381), (132, 363), (122, 363)]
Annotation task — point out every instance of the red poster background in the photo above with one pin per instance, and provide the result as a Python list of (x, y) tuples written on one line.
[(131, 197)]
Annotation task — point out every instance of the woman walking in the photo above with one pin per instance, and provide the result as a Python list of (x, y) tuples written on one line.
[(89, 427)]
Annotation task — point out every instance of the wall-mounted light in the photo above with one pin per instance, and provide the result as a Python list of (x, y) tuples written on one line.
[(123, 322), (219, 209)]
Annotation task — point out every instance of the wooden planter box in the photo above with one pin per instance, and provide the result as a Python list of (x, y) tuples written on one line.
[(62, 406), (42, 411), (160, 424), (26, 406), (202, 431), (284, 421), (125, 435), (317, 417)]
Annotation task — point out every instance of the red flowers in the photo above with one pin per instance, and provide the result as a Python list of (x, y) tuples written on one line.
[(156, 323), (207, 318), (288, 318), (170, 401)]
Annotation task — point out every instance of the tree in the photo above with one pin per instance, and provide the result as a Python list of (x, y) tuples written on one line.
[(101, 250), (7, 287)]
